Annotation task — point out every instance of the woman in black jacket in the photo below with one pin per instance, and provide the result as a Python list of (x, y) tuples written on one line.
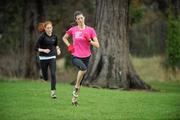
[(48, 49)]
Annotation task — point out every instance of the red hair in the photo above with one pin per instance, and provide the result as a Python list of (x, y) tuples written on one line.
[(42, 25)]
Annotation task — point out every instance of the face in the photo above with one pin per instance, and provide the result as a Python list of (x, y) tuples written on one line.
[(48, 29), (80, 19)]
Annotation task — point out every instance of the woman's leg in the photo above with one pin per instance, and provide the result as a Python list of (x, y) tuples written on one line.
[(82, 70), (44, 68), (80, 77), (86, 62), (52, 66)]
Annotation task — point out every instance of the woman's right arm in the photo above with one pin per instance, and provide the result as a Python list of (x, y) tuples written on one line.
[(69, 46), (43, 50), (65, 39), (38, 49)]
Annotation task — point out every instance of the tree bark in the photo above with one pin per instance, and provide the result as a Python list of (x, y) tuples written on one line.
[(110, 66), (33, 14)]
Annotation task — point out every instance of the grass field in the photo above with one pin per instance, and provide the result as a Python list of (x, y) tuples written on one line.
[(30, 100)]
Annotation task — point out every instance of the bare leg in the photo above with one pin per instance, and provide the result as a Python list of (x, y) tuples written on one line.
[(79, 78), (77, 86)]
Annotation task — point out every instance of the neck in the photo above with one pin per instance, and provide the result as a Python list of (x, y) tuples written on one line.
[(82, 26), (49, 34)]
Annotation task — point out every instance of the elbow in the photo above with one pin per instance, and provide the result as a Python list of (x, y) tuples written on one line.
[(63, 38), (97, 46)]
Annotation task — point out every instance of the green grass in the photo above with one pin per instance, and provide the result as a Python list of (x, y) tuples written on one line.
[(29, 100)]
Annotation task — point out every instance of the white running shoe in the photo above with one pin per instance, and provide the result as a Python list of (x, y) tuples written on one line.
[(74, 101), (74, 93), (53, 94)]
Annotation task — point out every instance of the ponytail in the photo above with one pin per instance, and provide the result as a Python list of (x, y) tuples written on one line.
[(42, 25)]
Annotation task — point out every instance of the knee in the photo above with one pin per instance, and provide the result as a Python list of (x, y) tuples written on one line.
[(83, 69)]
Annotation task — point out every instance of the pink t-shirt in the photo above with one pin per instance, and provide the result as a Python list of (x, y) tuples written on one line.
[(81, 45)]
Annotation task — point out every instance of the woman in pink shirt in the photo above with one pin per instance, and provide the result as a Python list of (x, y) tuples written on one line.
[(83, 37)]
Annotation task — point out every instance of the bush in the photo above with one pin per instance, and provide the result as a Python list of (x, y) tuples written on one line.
[(173, 43)]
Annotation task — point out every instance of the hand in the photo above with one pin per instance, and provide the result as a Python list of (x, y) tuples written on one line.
[(46, 51), (87, 36), (70, 49), (58, 51)]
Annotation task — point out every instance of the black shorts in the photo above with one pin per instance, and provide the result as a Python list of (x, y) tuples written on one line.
[(81, 63)]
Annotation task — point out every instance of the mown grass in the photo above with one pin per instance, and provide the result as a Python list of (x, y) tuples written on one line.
[(30, 100)]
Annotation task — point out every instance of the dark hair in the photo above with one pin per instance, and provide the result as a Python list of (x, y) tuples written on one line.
[(76, 13)]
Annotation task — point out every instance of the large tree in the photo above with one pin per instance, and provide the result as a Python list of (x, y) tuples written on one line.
[(33, 14), (111, 66)]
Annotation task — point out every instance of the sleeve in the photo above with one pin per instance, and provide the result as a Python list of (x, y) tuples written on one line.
[(37, 45), (93, 33), (69, 32), (56, 41)]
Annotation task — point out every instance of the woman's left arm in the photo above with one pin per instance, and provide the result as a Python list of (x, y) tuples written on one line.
[(58, 50), (95, 42)]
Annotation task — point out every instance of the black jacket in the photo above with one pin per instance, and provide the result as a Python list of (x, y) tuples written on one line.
[(47, 42)]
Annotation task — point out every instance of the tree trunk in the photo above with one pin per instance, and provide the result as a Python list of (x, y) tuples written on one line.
[(111, 67), (33, 13), (176, 5)]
